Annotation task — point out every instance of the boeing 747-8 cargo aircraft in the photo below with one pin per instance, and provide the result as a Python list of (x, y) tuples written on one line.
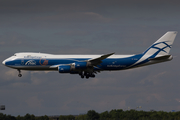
[(88, 65)]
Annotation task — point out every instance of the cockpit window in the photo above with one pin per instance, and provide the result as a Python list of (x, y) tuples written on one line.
[(14, 54)]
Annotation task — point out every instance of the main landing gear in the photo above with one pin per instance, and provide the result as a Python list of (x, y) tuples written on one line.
[(87, 75), (19, 75)]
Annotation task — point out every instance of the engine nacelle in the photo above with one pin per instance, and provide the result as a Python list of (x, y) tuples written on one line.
[(64, 69), (79, 65), (73, 68)]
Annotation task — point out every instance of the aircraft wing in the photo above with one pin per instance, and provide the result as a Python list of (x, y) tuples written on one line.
[(92, 62), (97, 61)]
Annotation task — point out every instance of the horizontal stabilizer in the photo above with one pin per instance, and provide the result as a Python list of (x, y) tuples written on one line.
[(161, 57)]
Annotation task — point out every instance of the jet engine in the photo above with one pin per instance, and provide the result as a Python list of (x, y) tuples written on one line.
[(64, 69), (73, 68), (79, 65)]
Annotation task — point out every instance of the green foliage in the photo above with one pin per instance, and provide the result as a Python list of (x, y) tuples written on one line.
[(67, 117), (92, 115), (6, 117), (105, 116), (29, 117), (112, 115), (19, 118), (42, 118), (26, 117), (81, 117)]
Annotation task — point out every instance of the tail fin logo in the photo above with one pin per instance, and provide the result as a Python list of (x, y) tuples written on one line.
[(161, 48), (163, 45)]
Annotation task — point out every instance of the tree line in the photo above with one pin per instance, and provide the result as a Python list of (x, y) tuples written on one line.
[(118, 114), (129, 115), (26, 117)]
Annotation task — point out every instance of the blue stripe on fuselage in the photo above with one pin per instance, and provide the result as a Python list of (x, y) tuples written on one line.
[(107, 64), (119, 63)]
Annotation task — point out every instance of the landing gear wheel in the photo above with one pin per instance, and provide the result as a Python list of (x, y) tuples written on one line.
[(19, 75), (87, 76), (82, 76), (93, 76)]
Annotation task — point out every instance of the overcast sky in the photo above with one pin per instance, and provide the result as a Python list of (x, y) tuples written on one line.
[(88, 27)]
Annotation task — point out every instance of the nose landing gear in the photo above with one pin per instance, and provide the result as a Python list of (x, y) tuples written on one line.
[(19, 75)]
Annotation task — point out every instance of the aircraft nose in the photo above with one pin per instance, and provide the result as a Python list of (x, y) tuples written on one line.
[(4, 62)]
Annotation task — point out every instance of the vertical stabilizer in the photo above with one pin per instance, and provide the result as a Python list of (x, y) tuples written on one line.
[(163, 45), (158, 51)]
